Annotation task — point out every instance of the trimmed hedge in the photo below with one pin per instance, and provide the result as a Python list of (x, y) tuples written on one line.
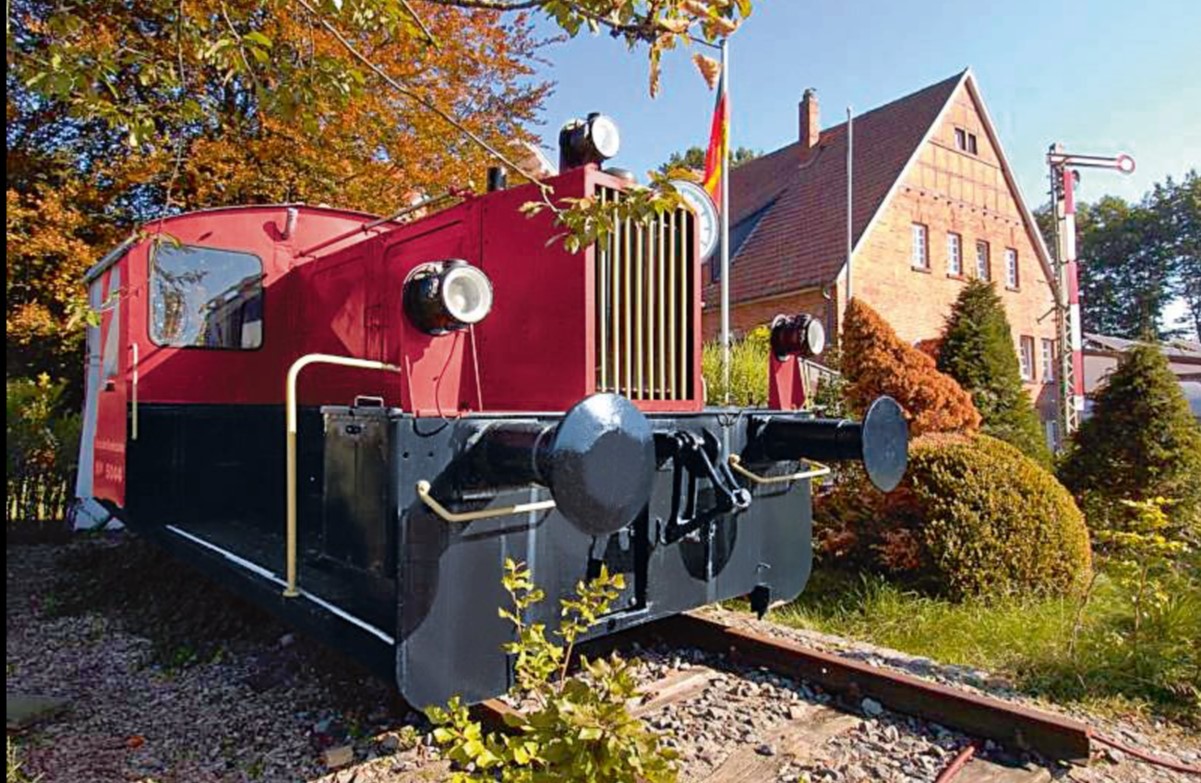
[(973, 517)]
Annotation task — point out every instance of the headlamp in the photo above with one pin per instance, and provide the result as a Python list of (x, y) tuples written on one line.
[(446, 295), (593, 140), (797, 335)]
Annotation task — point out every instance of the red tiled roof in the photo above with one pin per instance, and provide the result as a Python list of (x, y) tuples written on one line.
[(799, 196)]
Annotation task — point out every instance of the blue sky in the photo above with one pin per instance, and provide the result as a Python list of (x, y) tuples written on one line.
[(1101, 77)]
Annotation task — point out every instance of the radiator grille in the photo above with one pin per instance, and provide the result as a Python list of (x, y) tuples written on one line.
[(644, 306)]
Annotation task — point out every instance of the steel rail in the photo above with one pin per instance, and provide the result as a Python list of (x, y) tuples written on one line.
[(1013, 725)]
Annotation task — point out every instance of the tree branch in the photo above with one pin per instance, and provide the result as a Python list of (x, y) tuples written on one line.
[(643, 29), (420, 100)]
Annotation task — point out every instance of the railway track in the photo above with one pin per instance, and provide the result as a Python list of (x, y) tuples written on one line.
[(809, 728)]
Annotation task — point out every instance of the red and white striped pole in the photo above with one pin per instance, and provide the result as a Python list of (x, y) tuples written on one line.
[(1071, 337), (1070, 282)]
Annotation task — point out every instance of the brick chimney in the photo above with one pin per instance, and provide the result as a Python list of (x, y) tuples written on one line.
[(810, 120)]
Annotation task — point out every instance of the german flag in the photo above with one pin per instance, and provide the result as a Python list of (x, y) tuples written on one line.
[(719, 143)]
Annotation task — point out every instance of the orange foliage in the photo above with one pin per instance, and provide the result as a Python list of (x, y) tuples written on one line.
[(75, 189), (875, 362)]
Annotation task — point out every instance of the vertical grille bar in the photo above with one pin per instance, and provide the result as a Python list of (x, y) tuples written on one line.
[(684, 237), (661, 234), (604, 305), (627, 326), (615, 313), (639, 341), (644, 282), (672, 339)]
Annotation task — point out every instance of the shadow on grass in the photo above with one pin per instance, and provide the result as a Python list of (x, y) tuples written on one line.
[(1038, 642)]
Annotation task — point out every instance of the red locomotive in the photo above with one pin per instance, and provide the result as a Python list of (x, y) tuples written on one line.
[(354, 421)]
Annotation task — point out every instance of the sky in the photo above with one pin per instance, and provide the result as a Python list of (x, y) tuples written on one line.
[(1101, 77)]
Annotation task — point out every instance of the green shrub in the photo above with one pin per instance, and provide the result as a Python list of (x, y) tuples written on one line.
[(977, 349), (748, 370), (41, 450), (579, 729), (1141, 442), (973, 517)]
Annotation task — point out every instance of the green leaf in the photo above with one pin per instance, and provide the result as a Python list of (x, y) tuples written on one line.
[(258, 39)]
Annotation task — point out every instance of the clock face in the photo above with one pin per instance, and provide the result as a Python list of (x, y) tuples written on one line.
[(706, 214)]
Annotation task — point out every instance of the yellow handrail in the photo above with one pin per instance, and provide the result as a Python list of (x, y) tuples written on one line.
[(291, 590), (423, 492), (818, 469)]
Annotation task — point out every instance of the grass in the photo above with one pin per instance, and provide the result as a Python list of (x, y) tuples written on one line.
[(1035, 642), (15, 773)]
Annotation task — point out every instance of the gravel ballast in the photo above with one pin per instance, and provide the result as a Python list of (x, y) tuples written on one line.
[(163, 700)]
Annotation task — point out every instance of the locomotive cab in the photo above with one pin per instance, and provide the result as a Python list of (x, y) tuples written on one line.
[(496, 397)]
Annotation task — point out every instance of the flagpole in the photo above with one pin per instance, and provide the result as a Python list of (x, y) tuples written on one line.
[(724, 221)]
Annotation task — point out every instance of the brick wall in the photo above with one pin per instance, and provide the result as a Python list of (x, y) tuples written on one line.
[(949, 190)]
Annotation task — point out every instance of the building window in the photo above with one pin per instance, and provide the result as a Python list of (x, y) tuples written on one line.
[(921, 254), (983, 265), (1012, 278), (965, 142), (1048, 360), (1026, 357), (1051, 428), (205, 298), (714, 271), (954, 255)]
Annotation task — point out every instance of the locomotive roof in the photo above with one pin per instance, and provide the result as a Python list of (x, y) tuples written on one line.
[(158, 223)]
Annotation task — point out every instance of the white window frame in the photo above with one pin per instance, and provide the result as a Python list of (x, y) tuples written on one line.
[(983, 262), (1013, 276), (1048, 359), (954, 254), (1026, 357), (1051, 432), (919, 251)]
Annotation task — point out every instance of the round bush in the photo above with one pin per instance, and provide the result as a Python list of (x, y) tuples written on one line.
[(973, 517)]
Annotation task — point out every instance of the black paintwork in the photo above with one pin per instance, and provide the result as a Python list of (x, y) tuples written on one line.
[(370, 546), (880, 441)]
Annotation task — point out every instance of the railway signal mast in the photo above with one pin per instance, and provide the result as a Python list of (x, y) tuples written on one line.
[(1064, 169)]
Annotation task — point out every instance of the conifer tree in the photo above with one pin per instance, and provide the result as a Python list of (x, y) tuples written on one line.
[(977, 350), (875, 361), (1141, 442)]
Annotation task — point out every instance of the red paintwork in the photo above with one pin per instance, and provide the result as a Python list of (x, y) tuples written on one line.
[(108, 467), (535, 351), (786, 388)]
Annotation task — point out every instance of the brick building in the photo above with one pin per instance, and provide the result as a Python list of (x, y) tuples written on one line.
[(934, 203)]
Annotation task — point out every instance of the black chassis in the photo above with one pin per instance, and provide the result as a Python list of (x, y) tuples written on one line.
[(422, 593)]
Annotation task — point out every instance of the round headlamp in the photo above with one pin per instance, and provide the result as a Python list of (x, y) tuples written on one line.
[(447, 295), (797, 335), (593, 140), (605, 136)]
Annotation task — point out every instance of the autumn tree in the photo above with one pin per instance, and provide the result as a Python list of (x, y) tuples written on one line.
[(119, 112), (875, 362), (977, 350)]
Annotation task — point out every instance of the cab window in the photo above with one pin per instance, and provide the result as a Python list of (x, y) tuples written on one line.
[(201, 297)]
